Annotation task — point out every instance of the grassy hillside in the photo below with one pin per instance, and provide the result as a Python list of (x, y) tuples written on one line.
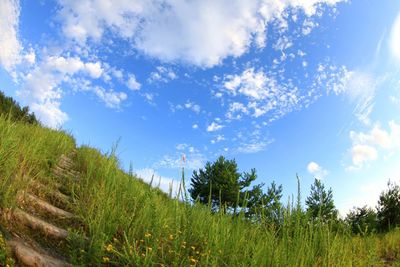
[(124, 222)]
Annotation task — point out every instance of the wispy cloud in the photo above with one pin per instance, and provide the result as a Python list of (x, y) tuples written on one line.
[(395, 38)]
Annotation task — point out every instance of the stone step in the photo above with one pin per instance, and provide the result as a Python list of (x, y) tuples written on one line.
[(43, 206), (66, 160), (35, 223), (63, 173), (57, 198), (65, 164), (30, 257)]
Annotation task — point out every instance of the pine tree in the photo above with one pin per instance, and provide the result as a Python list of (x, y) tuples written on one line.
[(320, 202)]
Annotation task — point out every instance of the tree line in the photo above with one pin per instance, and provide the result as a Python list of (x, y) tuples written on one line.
[(223, 188), (10, 108)]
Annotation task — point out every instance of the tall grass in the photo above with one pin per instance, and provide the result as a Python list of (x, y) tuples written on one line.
[(132, 224), (128, 223)]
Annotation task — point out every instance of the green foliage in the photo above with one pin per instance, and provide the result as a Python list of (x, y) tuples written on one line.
[(389, 207), (11, 108), (362, 220), (265, 206), (221, 184), (320, 202)]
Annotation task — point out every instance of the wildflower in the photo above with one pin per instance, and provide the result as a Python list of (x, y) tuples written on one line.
[(109, 248), (193, 261), (147, 235), (143, 255), (149, 249), (171, 237), (141, 240), (193, 247), (106, 259)]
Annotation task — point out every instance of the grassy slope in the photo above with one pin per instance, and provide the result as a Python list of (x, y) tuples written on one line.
[(131, 224)]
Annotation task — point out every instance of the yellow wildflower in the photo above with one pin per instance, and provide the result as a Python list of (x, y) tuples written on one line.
[(147, 235), (193, 247), (193, 261), (149, 249), (171, 237), (109, 248), (106, 259)]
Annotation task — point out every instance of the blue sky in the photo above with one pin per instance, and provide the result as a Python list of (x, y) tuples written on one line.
[(296, 86)]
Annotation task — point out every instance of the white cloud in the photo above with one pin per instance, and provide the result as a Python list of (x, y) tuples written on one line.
[(395, 38), (236, 110), (316, 170), (10, 46), (195, 126), (193, 107), (30, 57), (111, 98), (253, 147), (360, 88), (193, 161), (217, 139), (94, 69), (363, 153), (162, 75), (263, 93), (132, 83), (43, 84), (201, 33), (166, 184), (214, 126), (366, 145), (50, 113)]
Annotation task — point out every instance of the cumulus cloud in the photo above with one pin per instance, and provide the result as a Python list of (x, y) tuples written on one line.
[(316, 170), (263, 92), (111, 98), (201, 33), (94, 69), (10, 46), (132, 83), (42, 88), (361, 154), (395, 38), (49, 113), (162, 75), (366, 146), (214, 126)]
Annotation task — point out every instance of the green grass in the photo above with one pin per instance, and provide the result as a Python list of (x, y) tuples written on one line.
[(130, 224)]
